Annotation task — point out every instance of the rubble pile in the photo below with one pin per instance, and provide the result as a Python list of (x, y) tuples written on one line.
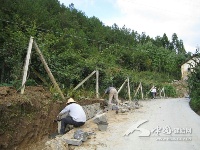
[(91, 110), (123, 107), (77, 136), (101, 121)]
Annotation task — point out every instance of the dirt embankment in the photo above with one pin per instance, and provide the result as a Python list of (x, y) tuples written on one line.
[(28, 118)]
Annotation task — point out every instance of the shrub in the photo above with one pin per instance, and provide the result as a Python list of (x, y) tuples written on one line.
[(170, 91)]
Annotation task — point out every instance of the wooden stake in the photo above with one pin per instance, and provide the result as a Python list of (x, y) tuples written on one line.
[(141, 91), (28, 55), (137, 89), (122, 86), (129, 91), (48, 70), (84, 80), (97, 84), (162, 90), (39, 76)]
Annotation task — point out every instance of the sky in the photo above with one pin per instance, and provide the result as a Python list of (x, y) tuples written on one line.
[(153, 17)]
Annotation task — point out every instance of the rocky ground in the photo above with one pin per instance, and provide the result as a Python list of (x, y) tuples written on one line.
[(27, 121)]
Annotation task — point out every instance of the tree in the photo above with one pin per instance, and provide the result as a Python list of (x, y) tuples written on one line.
[(165, 41), (177, 45), (75, 45), (194, 85)]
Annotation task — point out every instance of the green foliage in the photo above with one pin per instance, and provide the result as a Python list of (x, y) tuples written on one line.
[(170, 91), (5, 84), (74, 45), (18, 83), (55, 93), (194, 85), (195, 103)]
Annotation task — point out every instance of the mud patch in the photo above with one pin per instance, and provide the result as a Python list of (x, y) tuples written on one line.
[(28, 119)]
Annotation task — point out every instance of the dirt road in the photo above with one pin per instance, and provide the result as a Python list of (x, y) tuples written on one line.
[(171, 123)]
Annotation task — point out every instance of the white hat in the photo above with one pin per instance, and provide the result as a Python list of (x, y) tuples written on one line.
[(70, 100)]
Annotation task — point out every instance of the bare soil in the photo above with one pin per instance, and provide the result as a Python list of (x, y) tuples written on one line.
[(27, 120)]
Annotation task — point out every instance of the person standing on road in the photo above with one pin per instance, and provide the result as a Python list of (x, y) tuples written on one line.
[(153, 91), (75, 115), (112, 92)]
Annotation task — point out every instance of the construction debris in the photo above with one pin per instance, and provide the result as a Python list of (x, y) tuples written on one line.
[(74, 142), (100, 118), (91, 110), (81, 135), (123, 107), (76, 138), (102, 126), (101, 121)]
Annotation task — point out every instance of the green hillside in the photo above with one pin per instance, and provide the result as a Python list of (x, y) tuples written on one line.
[(75, 45)]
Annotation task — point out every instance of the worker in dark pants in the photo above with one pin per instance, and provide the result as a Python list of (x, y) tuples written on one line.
[(76, 115), (153, 91), (112, 92)]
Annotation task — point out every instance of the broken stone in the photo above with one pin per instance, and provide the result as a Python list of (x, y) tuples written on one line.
[(115, 107), (91, 110), (123, 110), (73, 142), (100, 118), (80, 135), (84, 136), (102, 126)]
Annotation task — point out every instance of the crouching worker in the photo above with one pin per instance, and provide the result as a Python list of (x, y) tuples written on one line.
[(75, 115)]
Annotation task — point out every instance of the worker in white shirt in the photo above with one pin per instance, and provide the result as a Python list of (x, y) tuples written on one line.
[(153, 91), (76, 115)]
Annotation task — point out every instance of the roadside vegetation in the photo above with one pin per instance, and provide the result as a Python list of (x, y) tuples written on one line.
[(74, 45), (194, 87)]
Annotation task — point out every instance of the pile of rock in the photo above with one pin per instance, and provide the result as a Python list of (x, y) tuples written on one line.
[(62, 142), (101, 121), (99, 118), (91, 110), (79, 137), (123, 107)]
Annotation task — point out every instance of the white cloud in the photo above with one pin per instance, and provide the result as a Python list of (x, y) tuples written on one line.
[(154, 17)]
